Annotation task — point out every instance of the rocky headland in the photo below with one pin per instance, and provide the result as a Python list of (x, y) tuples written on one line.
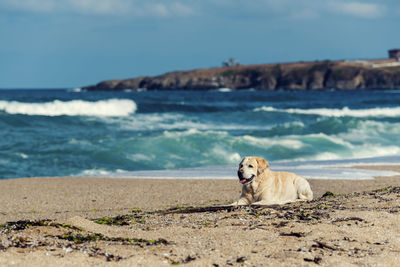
[(315, 75)]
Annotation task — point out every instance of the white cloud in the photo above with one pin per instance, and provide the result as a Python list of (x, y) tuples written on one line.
[(182, 9), (311, 9), (135, 8), (289, 9), (164, 9), (358, 9), (304, 14), (159, 10), (296, 9), (28, 5), (99, 7)]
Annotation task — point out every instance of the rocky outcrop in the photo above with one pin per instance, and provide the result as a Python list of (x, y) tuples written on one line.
[(295, 76)]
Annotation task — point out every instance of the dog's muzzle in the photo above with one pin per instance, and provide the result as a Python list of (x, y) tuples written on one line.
[(243, 180)]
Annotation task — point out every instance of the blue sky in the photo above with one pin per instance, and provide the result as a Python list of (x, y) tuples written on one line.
[(72, 43)]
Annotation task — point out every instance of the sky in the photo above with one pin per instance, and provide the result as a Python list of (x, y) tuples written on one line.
[(73, 43)]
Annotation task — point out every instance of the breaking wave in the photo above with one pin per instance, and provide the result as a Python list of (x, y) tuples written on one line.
[(101, 108), (344, 112)]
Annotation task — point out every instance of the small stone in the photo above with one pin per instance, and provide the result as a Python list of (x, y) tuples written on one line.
[(241, 259)]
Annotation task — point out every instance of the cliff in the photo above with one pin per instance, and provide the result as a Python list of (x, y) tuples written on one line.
[(295, 76)]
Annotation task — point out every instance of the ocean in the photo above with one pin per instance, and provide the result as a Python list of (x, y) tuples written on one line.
[(195, 134)]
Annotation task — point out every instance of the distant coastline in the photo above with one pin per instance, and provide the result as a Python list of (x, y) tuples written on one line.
[(316, 75)]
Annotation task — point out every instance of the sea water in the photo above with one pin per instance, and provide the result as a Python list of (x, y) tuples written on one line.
[(196, 134)]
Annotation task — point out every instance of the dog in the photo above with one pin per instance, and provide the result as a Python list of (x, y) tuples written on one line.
[(261, 186)]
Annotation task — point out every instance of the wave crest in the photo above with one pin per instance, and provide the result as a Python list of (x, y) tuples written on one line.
[(344, 112), (101, 108)]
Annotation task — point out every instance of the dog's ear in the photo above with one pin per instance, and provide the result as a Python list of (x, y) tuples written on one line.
[(262, 165)]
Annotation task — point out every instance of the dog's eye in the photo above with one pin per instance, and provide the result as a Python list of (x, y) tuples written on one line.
[(250, 166)]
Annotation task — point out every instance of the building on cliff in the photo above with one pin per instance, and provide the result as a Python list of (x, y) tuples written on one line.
[(395, 54), (230, 63)]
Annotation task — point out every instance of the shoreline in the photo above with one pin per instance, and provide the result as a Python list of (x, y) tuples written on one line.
[(92, 197)]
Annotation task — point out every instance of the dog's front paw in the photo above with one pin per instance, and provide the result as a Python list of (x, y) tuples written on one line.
[(241, 202), (265, 204), (234, 204)]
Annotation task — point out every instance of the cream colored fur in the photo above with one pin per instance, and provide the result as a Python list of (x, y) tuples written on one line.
[(266, 187)]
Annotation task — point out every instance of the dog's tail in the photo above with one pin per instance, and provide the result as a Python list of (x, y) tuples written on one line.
[(304, 190)]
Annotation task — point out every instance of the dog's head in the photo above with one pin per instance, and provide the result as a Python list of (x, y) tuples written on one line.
[(250, 168)]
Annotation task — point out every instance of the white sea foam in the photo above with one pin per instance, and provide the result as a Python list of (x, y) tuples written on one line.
[(224, 90), (289, 142), (374, 150), (174, 121), (216, 134), (338, 140), (102, 108), (96, 172), (359, 113), (22, 155), (141, 157), (74, 141), (220, 151), (376, 129)]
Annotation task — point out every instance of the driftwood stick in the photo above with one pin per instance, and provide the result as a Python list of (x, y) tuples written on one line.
[(203, 209), (348, 219), (324, 245)]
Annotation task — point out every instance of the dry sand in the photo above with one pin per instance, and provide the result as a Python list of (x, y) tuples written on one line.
[(147, 223)]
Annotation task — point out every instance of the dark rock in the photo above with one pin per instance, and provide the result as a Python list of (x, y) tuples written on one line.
[(294, 76)]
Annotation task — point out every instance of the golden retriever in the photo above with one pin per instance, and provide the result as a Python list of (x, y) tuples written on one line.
[(261, 186)]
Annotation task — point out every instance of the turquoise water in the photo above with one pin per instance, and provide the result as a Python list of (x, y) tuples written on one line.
[(74, 133)]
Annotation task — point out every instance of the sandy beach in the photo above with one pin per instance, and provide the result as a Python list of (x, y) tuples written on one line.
[(150, 222)]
